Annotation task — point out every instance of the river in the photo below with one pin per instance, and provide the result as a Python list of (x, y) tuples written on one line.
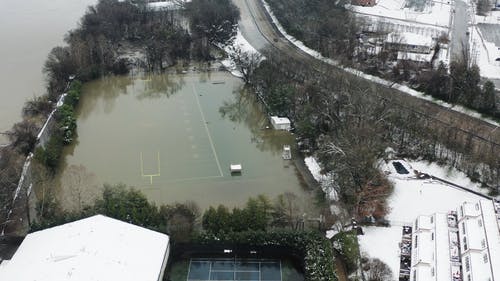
[(174, 137), (29, 30)]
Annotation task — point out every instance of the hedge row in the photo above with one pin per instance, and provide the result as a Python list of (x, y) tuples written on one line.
[(65, 130), (316, 250)]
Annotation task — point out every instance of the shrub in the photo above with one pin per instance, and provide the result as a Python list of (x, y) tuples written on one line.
[(346, 243)]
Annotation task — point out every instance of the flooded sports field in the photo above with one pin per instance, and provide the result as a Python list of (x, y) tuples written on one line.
[(174, 138)]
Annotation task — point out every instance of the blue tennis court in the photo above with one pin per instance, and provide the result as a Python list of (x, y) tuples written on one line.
[(234, 269)]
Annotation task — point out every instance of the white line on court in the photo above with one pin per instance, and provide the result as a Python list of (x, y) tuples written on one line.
[(206, 128)]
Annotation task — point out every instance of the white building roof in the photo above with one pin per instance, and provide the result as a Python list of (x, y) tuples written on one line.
[(424, 223), (95, 248), (415, 56), (471, 209), (435, 257), (409, 38), (280, 120), (492, 231), (443, 270), (477, 269)]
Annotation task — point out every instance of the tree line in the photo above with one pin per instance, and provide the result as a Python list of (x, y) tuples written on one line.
[(260, 222), (108, 30), (349, 124)]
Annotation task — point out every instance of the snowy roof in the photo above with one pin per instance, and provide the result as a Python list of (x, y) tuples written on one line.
[(432, 248), (95, 248), (492, 231), (424, 223), (423, 272), (424, 251), (409, 38), (477, 268), (167, 5), (415, 56), (475, 233), (483, 240), (442, 242), (468, 210), (280, 120)]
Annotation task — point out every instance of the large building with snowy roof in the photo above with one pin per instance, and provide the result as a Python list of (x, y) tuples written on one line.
[(95, 248), (479, 233), (460, 245)]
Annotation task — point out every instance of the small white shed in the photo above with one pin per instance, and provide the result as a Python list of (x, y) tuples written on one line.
[(280, 123), (235, 168)]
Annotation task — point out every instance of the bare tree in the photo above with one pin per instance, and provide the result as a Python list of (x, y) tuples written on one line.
[(80, 188), (377, 270), (287, 211), (23, 136), (246, 62)]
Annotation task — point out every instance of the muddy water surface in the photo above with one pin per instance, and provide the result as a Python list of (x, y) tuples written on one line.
[(174, 137)]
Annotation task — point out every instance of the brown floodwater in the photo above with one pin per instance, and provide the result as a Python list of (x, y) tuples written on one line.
[(29, 30), (173, 137)]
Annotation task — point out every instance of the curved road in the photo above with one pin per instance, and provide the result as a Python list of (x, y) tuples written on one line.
[(257, 27)]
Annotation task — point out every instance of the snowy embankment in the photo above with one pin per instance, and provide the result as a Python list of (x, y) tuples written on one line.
[(413, 197), (238, 43), (405, 89), (324, 180)]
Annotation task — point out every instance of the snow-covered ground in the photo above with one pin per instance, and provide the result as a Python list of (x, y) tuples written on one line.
[(437, 13), (492, 18), (382, 243), (413, 197), (239, 43), (324, 180), (485, 53), (378, 80), (167, 4)]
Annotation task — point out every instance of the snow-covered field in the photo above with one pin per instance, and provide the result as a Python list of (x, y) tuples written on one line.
[(437, 13), (413, 197), (485, 53), (382, 243), (492, 18), (324, 180)]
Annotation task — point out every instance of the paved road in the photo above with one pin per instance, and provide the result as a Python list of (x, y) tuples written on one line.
[(459, 37)]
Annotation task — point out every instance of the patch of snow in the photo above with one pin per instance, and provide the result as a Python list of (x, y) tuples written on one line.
[(447, 173), (331, 233), (413, 197), (238, 43), (378, 80), (167, 4), (382, 243), (324, 180), (436, 13), (493, 17), (485, 54)]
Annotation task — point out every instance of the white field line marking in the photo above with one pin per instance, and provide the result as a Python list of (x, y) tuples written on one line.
[(151, 175), (206, 128)]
